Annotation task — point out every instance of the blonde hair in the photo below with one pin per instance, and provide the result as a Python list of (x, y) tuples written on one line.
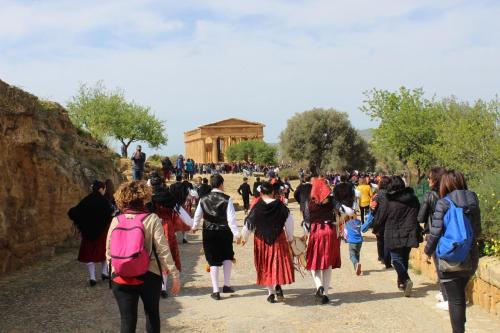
[(133, 195)]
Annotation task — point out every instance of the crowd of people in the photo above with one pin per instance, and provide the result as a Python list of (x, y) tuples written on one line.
[(132, 232)]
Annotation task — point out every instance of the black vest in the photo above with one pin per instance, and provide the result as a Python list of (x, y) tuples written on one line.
[(214, 206)]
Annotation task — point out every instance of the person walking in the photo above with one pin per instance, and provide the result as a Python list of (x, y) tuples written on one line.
[(302, 194), (287, 188), (425, 216), (366, 193), (384, 255), (204, 188), (455, 198), (271, 222), (138, 161), (219, 228), (92, 217), (132, 199), (398, 213), (245, 192), (167, 168), (354, 238), (323, 248)]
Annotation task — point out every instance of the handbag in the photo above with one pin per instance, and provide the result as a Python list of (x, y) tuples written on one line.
[(298, 249)]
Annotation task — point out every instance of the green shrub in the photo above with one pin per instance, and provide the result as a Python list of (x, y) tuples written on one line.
[(487, 188), (155, 160), (291, 173)]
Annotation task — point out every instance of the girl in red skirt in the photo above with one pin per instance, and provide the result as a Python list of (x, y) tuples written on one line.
[(92, 217), (323, 249), (271, 222), (172, 215)]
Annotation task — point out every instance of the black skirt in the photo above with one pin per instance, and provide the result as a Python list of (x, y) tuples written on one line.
[(218, 246)]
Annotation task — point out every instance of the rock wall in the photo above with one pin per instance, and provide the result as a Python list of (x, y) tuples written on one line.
[(46, 167), (483, 290)]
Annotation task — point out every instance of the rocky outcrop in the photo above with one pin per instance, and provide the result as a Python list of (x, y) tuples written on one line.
[(46, 167)]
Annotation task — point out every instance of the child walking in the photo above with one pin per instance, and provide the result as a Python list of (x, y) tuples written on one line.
[(352, 230)]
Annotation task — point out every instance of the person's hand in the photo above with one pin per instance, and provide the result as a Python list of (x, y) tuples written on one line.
[(304, 238), (176, 286)]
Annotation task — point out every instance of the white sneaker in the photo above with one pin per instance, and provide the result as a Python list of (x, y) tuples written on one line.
[(439, 297), (442, 306)]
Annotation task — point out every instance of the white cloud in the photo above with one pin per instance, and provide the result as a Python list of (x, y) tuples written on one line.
[(260, 60)]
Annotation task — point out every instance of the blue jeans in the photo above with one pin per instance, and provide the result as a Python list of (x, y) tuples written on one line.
[(137, 174), (400, 258), (354, 251)]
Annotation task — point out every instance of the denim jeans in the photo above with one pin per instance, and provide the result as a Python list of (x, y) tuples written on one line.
[(127, 297), (137, 174), (455, 290), (354, 251), (400, 259), (383, 253)]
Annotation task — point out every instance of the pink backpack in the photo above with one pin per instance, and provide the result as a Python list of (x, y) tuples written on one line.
[(129, 256)]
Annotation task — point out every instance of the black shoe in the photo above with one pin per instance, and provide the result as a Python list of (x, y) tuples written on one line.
[(271, 298), (216, 296), (104, 277), (227, 290), (401, 285), (184, 241), (279, 293), (325, 299), (92, 283), (164, 294), (320, 292)]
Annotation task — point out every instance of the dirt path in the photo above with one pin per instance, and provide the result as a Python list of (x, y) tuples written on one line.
[(54, 297)]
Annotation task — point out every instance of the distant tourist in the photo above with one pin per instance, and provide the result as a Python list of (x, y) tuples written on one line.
[(245, 192), (167, 168), (132, 199), (189, 169), (138, 159), (92, 217), (287, 188), (204, 188), (256, 185)]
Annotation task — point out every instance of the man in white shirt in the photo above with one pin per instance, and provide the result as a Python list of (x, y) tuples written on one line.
[(219, 229)]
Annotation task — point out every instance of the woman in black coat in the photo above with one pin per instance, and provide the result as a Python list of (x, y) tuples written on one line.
[(454, 187), (398, 212)]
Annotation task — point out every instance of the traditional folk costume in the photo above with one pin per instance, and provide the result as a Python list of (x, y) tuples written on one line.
[(272, 224), (323, 249), (92, 216), (219, 228)]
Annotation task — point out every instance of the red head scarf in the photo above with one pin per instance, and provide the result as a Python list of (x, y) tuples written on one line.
[(320, 190)]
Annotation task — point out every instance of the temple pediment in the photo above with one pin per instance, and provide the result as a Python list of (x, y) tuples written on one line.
[(233, 122)]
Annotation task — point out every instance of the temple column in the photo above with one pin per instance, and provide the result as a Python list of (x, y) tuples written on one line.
[(214, 150)]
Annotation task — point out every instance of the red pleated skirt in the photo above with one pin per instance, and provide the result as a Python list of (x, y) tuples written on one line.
[(93, 250), (323, 249), (273, 263), (168, 217), (179, 225)]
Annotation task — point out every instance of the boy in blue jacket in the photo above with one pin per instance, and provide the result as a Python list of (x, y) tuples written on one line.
[(354, 238)]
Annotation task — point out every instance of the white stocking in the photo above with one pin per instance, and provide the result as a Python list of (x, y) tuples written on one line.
[(317, 278), (214, 275), (270, 290), (227, 265), (327, 277), (164, 284), (91, 268), (105, 268)]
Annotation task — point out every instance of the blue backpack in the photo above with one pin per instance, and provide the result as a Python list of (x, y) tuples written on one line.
[(456, 242)]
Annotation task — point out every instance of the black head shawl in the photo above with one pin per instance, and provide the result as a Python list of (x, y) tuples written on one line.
[(267, 220)]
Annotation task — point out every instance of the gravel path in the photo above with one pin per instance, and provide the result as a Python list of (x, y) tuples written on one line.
[(53, 297)]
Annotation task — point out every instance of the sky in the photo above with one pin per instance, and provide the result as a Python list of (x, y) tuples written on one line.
[(196, 62)]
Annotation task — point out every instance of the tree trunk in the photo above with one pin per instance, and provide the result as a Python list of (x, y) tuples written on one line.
[(125, 148)]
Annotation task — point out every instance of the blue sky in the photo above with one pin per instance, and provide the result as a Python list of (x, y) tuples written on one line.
[(196, 62)]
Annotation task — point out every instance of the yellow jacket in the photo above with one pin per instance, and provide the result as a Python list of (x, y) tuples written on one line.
[(366, 195)]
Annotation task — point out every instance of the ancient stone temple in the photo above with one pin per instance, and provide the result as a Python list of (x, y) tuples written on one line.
[(208, 143)]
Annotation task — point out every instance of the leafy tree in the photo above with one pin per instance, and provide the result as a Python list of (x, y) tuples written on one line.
[(252, 151), (406, 126), (106, 114), (468, 136), (326, 139)]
